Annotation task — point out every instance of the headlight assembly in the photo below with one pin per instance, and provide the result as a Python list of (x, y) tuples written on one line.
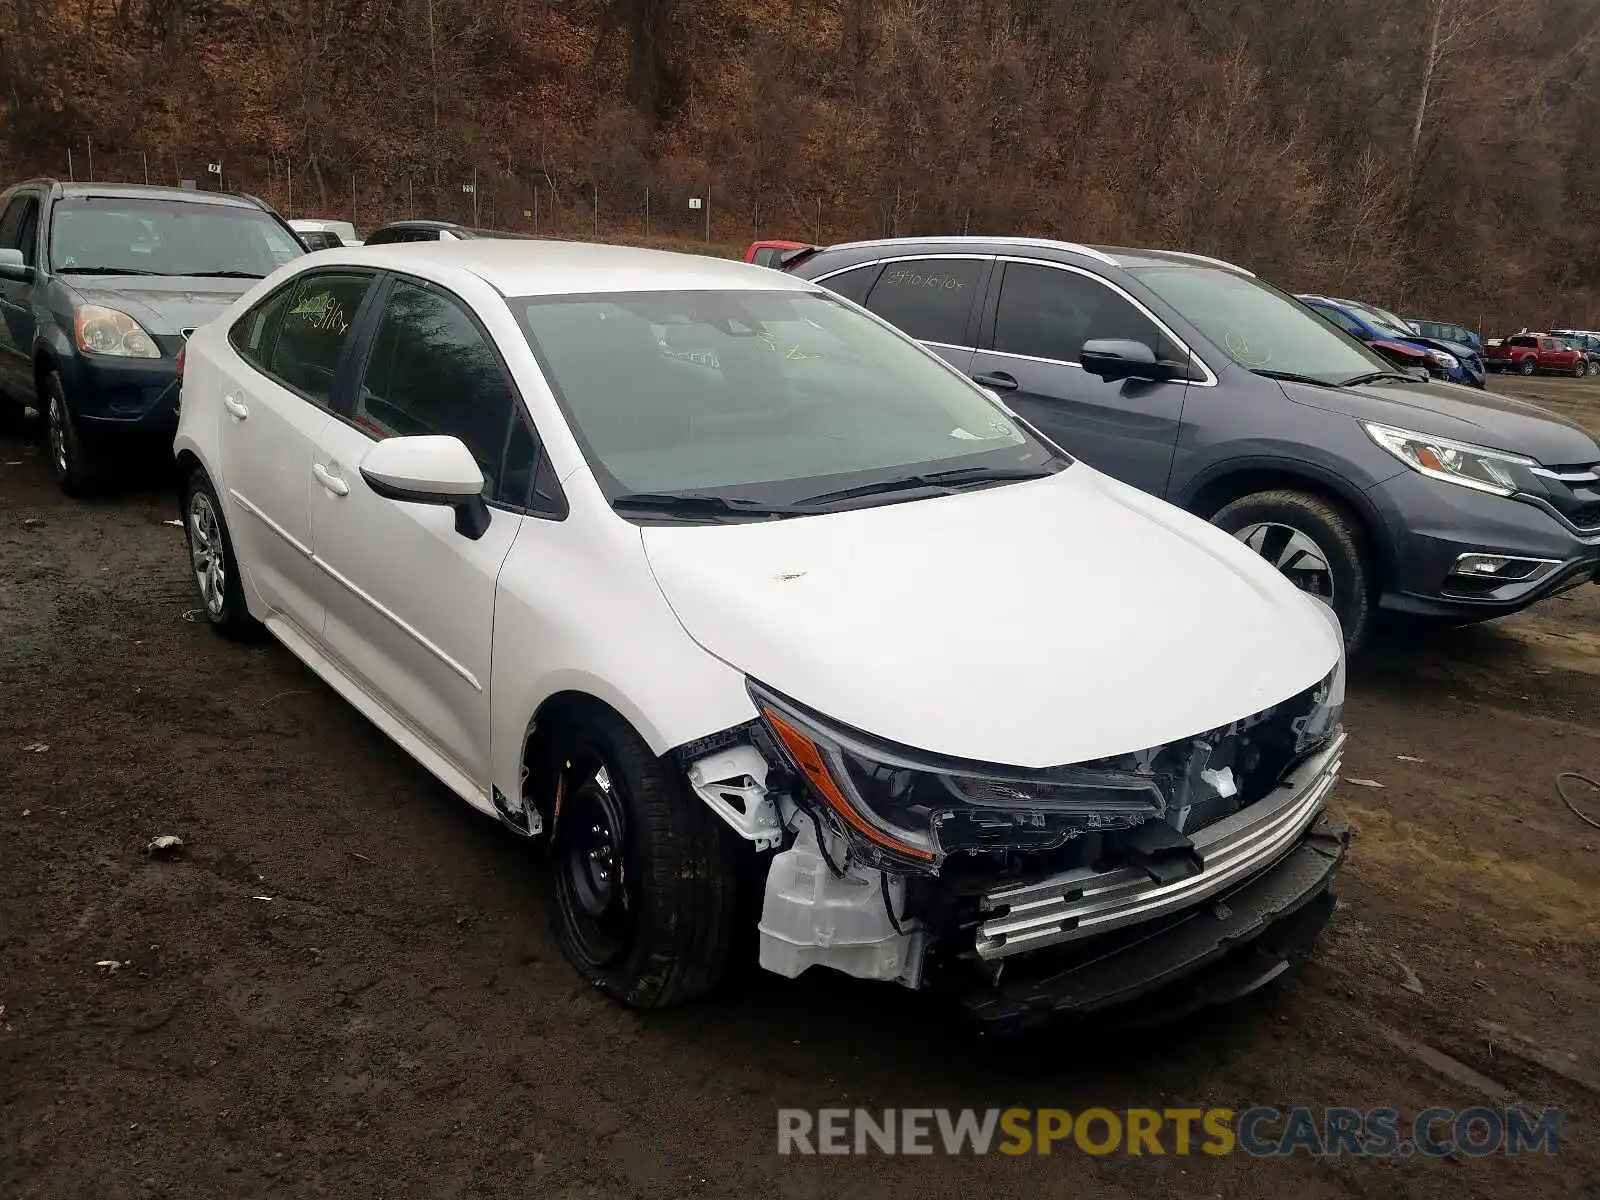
[(1447, 361), (909, 811), (1450, 461), (102, 330)]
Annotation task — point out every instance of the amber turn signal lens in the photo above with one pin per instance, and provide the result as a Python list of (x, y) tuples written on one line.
[(806, 755)]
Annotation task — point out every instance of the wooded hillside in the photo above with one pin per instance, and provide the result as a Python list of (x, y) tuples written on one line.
[(1438, 155)]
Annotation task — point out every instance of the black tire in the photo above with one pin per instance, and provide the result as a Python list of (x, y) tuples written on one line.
[(666, 932), (74, 460), (1334, 532), (222, 602), (1527, 366)]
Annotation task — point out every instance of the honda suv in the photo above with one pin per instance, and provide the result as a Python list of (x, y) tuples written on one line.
[(1200, 383), (100, 286)]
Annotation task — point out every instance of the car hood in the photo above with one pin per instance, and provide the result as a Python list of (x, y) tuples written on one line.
[(1465, 353), (1033, 624), (1465, 414), (165, 305)]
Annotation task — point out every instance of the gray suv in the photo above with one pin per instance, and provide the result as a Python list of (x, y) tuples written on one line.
[(1192, 379)]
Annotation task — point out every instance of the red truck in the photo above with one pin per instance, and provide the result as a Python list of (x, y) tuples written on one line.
[(773, 252), (1528, 353)]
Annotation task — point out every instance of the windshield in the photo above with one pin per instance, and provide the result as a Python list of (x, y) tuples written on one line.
[(140, 236), (1258, 326), (758, 395), (1381, 319)]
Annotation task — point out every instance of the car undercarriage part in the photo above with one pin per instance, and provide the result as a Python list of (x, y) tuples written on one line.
[(733, 782), (813, 917)]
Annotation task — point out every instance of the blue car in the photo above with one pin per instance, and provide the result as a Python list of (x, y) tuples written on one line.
[(1450, 360)]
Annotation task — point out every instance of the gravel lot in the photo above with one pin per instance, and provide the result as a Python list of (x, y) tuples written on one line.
[(395, 1019)]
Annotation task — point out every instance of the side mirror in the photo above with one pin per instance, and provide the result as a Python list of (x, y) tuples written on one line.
[(430, 469), (1121, 358), (14, 266)]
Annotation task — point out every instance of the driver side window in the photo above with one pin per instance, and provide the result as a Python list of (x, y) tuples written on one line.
[(432, 371), (1049, 313)]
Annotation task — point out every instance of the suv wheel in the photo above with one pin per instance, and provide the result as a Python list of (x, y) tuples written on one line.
[(72, 461), (1594, 367), (646, 876), (1316, 544), (212, 561), (1527, 366)]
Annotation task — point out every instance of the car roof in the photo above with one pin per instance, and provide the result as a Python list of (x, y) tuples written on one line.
[(150, 191), (1111, 256), (546, 267), (421, 223)]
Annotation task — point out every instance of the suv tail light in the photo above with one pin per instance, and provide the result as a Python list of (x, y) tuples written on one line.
[(182, 350)]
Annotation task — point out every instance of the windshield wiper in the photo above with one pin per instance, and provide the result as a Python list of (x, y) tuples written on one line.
[(700, 504), (1375, 376), (943, 483), (104, 271), (216, 275), (1293, 377)]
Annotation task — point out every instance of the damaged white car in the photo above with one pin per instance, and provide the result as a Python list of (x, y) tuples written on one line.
[(760, 612)]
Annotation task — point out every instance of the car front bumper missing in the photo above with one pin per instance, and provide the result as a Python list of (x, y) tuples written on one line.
[(1240, 940), (1084, 903)]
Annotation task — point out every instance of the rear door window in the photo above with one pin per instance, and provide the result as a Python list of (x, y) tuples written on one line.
[(929, 298), (312, 334)]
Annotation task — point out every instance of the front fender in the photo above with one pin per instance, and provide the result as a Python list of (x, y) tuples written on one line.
[(1319, 473)]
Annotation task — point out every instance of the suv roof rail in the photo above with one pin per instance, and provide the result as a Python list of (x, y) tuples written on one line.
[(1206, 258), (1099, 256)]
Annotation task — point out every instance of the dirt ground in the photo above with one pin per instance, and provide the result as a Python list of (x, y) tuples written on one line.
[(395, 1019)]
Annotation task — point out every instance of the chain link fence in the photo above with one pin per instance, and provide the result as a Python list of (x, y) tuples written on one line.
[(543, 200)]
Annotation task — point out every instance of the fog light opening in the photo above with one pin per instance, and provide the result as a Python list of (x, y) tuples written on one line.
[(1502, 568)]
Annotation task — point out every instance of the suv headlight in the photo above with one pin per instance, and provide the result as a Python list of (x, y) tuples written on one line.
[(1453, 462), (1444, 359), (908, 810), (110, 331)]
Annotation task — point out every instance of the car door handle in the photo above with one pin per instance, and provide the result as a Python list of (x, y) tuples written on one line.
[(329, 480), (236, 407), (999, 380)]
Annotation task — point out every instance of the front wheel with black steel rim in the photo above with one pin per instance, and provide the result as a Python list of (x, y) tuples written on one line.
[(212, 562), (1315, 543), (72, 461), (645, 875)]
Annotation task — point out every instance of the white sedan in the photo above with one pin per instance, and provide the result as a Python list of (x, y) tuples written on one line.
[(714, 579)]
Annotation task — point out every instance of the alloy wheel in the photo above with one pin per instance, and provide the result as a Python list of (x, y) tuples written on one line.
[(56, 421), (1296, 556), (207, 554)]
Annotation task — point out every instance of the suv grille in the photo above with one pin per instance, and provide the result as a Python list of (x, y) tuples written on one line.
[(1579, 503)]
